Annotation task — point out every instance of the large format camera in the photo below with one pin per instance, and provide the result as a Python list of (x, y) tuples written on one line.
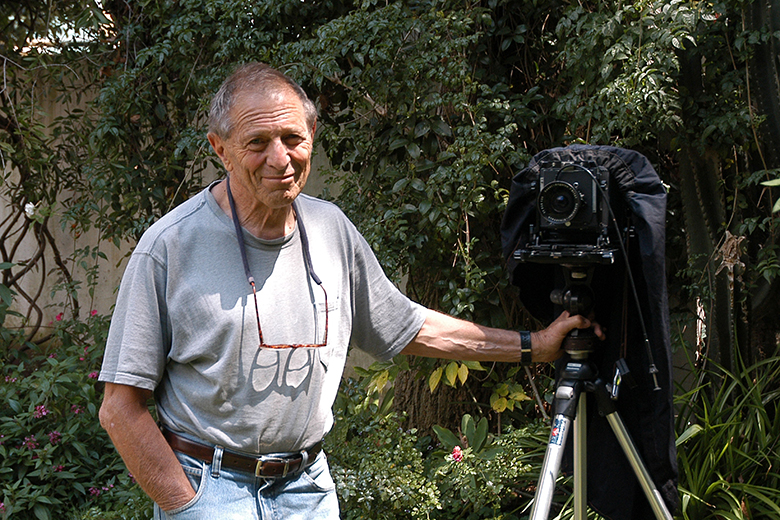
[(572, 217), (584, 228)]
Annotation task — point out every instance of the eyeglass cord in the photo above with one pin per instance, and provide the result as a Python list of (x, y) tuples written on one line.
[(240, 237), (242, 247)]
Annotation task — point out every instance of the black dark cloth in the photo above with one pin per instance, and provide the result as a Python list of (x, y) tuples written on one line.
[(637, 196)]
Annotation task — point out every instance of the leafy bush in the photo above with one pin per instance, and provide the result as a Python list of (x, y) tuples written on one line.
[(385, 472), (729, 440), (54, 456), (379, 470), (483, 476)]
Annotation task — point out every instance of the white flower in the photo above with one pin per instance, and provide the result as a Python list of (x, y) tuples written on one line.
[(29, 209)]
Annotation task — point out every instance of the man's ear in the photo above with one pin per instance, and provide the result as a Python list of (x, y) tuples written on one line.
[(218, 144)]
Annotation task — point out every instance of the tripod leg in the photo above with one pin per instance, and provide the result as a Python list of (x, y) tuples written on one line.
[(648, 486), (566, 398), (550, 468), (581, 462)]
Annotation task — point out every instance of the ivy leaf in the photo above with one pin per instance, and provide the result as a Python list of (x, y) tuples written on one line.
[(452, 372), (498, 403), (474, 365), (6, 295), (463, 373), (441, 128), (418, 184), (422, 128), (380, 380), (435, 378)]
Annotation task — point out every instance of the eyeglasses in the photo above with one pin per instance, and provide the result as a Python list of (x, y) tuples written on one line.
[(250, 278)]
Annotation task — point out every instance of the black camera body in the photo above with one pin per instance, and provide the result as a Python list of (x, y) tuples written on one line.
[(569, 200), (572, 215)]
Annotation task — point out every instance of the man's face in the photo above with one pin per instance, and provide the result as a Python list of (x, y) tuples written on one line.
[(268, 153)]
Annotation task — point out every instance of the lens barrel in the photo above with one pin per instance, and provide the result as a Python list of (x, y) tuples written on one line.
[(559, 202)]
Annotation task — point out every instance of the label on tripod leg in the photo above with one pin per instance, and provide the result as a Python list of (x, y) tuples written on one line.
[(559, 429)]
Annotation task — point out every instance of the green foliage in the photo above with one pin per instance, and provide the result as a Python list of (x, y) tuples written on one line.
[(419, 145), (729, 443), (379, 471), (385, 472), (491, 480), (54, 455)]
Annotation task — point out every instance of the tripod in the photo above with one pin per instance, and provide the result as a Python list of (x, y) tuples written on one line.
[(579, 375), (568, 409)]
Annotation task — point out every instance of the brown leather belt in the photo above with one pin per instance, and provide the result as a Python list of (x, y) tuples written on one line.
[(262, 465)]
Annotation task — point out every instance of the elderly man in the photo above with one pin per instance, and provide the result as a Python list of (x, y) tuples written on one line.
[(235, 313)]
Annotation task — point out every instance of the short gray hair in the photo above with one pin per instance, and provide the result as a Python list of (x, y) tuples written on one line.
[(256, 77)]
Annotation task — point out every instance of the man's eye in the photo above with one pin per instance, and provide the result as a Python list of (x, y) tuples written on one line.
[(293, 140)]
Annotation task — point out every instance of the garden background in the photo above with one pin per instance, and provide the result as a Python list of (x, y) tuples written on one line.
[(427, 109)]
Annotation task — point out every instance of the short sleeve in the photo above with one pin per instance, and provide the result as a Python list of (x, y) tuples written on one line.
[(139, 335), (385, 320)]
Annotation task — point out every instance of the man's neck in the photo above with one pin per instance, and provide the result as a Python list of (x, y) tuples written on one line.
[(261, 221)]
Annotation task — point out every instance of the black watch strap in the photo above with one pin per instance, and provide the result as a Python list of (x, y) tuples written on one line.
[(525, 347)]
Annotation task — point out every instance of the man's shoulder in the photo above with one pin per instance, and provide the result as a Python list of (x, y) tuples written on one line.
[(313, 204), (322, 212), (172, 222)]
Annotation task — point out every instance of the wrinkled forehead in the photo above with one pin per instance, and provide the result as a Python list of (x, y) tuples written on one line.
[(277, 91)]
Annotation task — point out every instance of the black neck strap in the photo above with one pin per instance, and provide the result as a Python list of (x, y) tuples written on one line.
[(242, 246)]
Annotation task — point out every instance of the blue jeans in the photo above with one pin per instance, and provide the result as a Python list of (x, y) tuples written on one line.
[(227, 494)]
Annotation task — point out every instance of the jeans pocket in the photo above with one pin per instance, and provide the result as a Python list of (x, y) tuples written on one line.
[(318, 475), (197, 474)]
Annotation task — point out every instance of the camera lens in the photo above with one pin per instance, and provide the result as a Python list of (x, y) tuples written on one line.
[(559, 202)]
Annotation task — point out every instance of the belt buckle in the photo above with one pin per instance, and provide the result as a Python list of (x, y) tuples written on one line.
[(262, 461)]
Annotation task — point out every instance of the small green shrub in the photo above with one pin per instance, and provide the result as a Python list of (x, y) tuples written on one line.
[(54, 456), (379, 470), (485, 476), (384, 472)]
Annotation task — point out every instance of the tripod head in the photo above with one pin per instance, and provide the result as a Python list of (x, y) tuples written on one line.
[(577, 297)]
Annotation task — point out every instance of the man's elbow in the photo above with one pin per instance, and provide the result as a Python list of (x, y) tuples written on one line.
[(107, 413), (121, 405)]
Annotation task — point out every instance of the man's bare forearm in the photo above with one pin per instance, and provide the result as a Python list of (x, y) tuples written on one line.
[(146, 454), (443, 336)]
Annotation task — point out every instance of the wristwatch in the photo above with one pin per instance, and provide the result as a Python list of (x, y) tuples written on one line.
[(525, 348)]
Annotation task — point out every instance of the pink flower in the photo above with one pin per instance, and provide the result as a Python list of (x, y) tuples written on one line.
[(58, 317), (93, 375), (93, 313), (59, 468), (76, 409), (55, 437), (40, 411), (30, 442), (457, 454)]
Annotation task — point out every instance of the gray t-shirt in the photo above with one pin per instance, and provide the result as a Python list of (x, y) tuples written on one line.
[(185, 324)]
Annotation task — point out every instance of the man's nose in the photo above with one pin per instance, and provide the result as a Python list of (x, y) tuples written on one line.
[(278, 156)]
